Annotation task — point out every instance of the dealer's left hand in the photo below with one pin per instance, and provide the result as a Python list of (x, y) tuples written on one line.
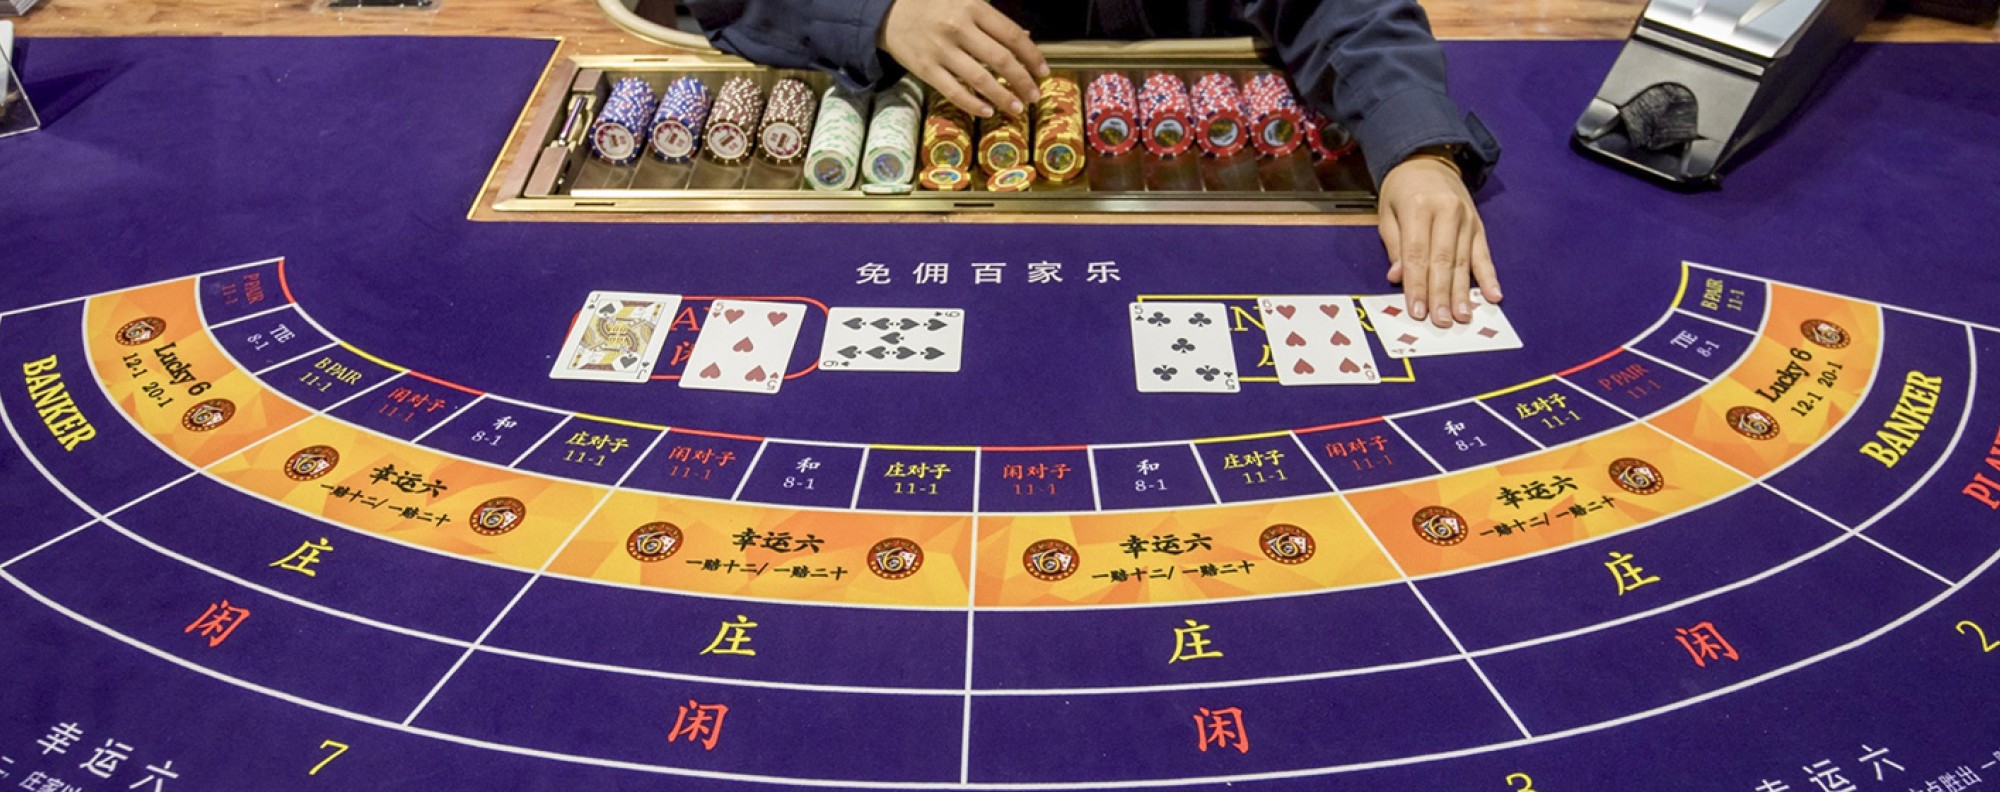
[(1436, 242)]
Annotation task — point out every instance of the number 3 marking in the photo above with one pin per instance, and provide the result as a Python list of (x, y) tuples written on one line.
[(1985, 646), (1527, 784), (338, 749)]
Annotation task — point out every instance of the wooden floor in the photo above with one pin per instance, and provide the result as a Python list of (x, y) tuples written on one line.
[(585, 31)]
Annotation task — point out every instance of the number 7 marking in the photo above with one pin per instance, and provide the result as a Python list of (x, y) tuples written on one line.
[(338, 749), (1985, 646)]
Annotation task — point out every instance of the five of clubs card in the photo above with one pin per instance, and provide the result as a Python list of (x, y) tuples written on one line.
[(1183, 347)]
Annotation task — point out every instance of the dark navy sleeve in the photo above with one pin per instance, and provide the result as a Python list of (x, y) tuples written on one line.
[(835, 36), (1373, 66)]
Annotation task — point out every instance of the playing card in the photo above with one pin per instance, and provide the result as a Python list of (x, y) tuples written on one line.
[(1318, 340), (1404, 337), (744, 346), (893, 339), (1183, 347), (616, 337)]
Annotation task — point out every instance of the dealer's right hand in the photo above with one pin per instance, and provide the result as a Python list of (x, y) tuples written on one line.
[(961, 48)]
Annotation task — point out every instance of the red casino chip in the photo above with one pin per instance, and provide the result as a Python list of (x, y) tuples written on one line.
[(1276, 119), (895, 559), (209, 415), (1218, 114), (1165, 112), (1286, 544), (311, 462), (1110, 112), (497, 516), (655, 541), (1051, 560), (1330, 141), (1439, 526), (140, 331)]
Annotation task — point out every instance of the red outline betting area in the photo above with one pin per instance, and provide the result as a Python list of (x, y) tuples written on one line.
[(1751, 501)]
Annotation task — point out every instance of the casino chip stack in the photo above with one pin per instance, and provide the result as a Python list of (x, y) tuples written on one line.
[(1004, 153), (1003, 142), (891, 155), (1218, 114), (677, 126), (1276, 120), (733, 120), (1329, 140), (620, 131), (947, 153), (788, 121), (947, 136), (1164, 112), (1059, 129), (836, 143), (1111, 102)]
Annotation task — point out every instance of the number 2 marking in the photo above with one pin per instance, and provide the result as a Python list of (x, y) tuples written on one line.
[(1527, 784), (338, 749), (1985, 646)]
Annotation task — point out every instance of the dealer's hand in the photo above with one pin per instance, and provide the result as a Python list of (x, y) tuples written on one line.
[(959, 46), (1436, 242)]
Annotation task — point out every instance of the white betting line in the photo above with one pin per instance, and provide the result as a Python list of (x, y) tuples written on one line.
[(419, 439), (147, 285), (248, 317), (509, 607), (1510, 424), (1406, 438), (282, 363), (1422, 600), (749, 470), (538, 443)]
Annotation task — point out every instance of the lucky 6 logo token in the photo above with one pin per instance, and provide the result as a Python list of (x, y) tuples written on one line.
[(208, 415), (311, 462), (1439, 526), (139, 331), (655, 541), (1637, 476), (1825, 333), (895, 559), (1050, 559), (497, 516), (1286, 544), (1753, 423)]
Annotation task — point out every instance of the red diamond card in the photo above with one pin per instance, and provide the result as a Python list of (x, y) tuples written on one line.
[(1404, 337)]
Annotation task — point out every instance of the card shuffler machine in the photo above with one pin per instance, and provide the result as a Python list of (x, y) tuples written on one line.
[(1699, 81)]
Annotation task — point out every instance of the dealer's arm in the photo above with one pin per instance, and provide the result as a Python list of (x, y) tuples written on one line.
[(1370, 64), (1373, 66)]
